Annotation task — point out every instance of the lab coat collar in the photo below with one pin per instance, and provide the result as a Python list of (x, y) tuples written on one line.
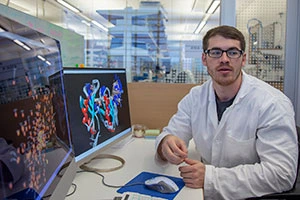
[(243, 91), (245, 87)]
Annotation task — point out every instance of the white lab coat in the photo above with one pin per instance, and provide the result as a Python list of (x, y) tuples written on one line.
[(252, 151)]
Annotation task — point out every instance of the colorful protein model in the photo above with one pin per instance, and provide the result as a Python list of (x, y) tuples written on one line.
[(102, 108)]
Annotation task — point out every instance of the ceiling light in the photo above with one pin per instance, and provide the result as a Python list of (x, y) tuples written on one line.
[(99, 25), (84, 17), (202, 24), (86, 23), (194, 5), (48, 63), (200, 27), (41, 58), (69, 6), (21, 44), (213, 6), (86, 20), (206, 17), (210, 10)]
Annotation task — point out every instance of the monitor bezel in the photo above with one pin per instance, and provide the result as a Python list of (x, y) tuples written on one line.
[(59, 190), (90, 154)]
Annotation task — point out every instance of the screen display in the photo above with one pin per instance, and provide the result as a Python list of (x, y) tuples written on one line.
[(35, 136), (98, 106)]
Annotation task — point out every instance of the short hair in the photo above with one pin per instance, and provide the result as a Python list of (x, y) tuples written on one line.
[(227, 32)]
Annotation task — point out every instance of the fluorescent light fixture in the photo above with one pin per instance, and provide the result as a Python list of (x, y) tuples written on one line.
[(200, 27), (202, 24), (18, 42), (48, 62), (44, 59), (99, 25), (194, 4), (210, 10), (86, 23), (21, 44), (86, 20), (213, 6), (41, 58), (69, 6), (206, 17), (84, 17)]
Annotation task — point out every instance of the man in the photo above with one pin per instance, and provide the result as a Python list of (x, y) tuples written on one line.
[(243, 128)]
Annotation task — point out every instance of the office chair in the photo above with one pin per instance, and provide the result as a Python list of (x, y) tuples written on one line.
[(294, 193)]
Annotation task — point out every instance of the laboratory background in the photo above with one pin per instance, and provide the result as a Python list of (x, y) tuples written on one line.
[(161, 41)]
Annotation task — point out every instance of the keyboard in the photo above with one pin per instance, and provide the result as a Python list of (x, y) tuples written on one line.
[(137, 196)]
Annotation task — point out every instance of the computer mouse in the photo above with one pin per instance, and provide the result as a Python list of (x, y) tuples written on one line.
[(162, 184)]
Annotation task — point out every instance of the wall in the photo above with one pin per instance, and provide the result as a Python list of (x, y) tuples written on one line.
[(292, 62), (153, 104)]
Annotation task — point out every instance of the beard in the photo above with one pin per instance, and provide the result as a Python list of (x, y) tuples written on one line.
[(224, 79)]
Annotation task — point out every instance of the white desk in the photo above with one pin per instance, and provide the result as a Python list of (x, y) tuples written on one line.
[(139, 156)]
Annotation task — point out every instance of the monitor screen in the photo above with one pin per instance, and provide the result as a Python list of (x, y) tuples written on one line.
[(98, 106), (36, 154)]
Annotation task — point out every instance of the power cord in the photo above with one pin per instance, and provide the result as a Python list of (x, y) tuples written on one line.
[(109, 185), (102, 180), (85, 166), (69, 194), (74, 190)]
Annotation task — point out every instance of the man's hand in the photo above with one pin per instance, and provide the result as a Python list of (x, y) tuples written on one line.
[(172, 149), (193, 173)]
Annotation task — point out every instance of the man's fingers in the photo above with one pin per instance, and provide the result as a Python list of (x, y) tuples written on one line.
[(178, 148), (173, 149), (178, 152), (173, 158), (182, 147), (190, 161), (193, 173)]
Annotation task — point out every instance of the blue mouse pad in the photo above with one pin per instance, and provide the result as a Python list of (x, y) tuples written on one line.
[(137, 185)]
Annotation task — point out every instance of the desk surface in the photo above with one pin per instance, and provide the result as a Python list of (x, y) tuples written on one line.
[(139, 156)]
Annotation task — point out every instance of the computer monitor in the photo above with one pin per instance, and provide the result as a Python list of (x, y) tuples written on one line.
[(98, 106), (36, 154)]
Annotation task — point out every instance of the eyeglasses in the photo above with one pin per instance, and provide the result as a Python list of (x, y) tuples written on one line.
[(217, 53)]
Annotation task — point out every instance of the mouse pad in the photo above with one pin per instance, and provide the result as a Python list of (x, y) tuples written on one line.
[(139, 187)]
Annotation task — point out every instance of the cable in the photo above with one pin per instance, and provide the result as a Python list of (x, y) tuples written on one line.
[(74, 190), (71, 193), (109, 185), (97, 171), (103, 156)]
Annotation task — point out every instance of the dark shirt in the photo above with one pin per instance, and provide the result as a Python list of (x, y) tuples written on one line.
[(222, 105)]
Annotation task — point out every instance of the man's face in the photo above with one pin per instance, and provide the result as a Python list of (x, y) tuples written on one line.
[(224, 70)]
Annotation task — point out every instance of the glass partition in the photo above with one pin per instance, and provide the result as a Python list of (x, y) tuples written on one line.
[(157, 41), (264, 25), (161, 41)]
